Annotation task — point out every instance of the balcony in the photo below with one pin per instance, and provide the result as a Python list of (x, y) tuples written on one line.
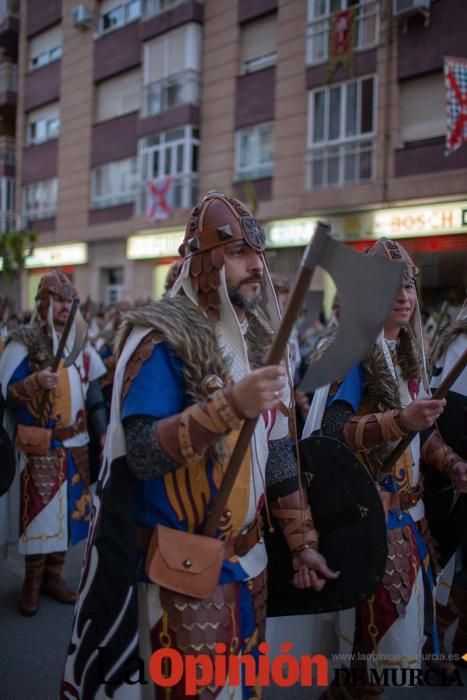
[(7, 151), (341, 164), (9, 26), (182, 88), (365, 35), (185, 193), (8, 96)]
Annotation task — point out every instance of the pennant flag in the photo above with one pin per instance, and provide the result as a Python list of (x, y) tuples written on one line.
[(341, 34), (455, 78), (159, 198)]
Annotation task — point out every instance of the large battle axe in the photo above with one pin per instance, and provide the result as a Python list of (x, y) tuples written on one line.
[(367, 288)]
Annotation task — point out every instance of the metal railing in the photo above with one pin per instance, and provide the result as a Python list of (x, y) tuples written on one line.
[(8, 77), (341, 164), (157, 7), (7, 221), (365, 35), (179, 89)]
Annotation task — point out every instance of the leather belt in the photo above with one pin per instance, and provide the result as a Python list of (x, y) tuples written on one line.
[(239, 545), (70, 430), (405, 499)]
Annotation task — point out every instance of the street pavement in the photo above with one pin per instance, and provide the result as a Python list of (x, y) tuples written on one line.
[(32, 650)]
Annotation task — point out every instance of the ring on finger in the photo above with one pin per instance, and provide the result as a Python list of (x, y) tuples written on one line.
[(276, 394)]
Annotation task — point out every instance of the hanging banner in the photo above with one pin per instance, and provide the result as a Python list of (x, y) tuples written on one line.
[(455, 78), (341, 39)]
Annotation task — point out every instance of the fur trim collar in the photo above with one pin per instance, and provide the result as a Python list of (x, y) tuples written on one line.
[(37, 343)]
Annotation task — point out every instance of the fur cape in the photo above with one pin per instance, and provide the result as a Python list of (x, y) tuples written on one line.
[(192, 336), (37, 343)]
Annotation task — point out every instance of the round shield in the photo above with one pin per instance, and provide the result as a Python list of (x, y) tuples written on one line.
[(350, 519), (7, 461), (446, 511)]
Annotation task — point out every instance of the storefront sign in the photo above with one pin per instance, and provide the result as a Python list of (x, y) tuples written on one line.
[(57, 256), (289, 232), (419, 221), (154, 245)]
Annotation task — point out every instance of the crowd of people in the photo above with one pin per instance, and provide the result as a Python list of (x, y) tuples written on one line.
[(149, 406)]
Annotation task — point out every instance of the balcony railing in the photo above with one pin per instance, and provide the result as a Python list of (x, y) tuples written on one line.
[(182, 88), (8, 7), (7, 221), (365, 35), (184, 193), (157, 7), (8, 77), (7, 150), (338, 165)]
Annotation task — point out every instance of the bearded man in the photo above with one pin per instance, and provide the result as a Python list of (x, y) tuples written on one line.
[(189, 372), (50, 499)]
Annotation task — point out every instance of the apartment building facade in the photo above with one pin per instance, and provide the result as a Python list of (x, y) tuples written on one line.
[(9, 25), (240, 96)]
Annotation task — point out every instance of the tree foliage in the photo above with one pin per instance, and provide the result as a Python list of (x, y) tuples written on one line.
[(15, 248)]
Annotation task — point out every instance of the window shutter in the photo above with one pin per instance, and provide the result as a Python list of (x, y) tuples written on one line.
[(422, 108), (258, 38), (45, 41), (118, 96)]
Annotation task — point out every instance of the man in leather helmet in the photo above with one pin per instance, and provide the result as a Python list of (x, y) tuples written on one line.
[(47, 416), (189, 372)]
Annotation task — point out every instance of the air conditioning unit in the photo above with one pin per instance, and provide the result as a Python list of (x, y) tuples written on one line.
[(81, 17), (404, 8)]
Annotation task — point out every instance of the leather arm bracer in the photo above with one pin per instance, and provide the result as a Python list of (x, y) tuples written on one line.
[(25, 391), (186, 436), (437, 454), (363, 432), (295, 519)]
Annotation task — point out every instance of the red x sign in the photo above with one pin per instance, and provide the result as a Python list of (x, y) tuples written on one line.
[(159, 195)]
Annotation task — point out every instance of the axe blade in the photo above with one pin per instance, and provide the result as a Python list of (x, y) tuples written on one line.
[(81, 329), (367, 288)]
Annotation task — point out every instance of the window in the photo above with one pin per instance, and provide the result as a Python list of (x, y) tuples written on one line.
[(422, 108), (45, 47), (40, 200), (156, 7), (114, 183), (115, 14), (172, 66), (258, 48), (366, 26), (254, 152), (175, 154), (43, 124), (117, 96), (341, 134)]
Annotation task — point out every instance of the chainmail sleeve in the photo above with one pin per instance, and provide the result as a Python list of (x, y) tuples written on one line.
[(281, 469), (145, 456), (335, 418)]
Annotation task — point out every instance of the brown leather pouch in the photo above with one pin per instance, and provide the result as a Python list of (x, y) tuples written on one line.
[(184, 562), (33, 440)]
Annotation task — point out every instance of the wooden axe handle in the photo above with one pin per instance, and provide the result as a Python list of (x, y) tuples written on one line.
[(274, 356), (440, 393)]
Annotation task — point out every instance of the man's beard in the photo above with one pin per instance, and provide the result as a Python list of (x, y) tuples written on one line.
[(244, 301)]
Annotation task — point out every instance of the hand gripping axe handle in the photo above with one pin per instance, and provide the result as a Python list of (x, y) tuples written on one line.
[(60, 349), (440, 393), (327, 253)]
